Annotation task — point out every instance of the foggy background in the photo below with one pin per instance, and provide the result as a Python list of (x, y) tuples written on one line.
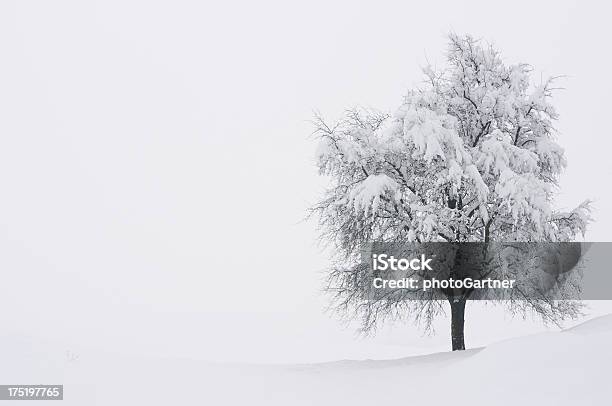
[(156, 164)]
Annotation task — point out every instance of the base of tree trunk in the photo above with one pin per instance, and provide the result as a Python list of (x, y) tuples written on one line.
[(457, 323)]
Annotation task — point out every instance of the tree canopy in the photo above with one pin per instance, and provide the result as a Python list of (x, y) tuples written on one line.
[(471, 155)]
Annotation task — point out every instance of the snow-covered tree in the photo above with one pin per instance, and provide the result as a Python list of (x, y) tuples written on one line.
[(469, 156)]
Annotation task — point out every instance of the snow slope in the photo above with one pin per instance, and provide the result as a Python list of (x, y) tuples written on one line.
[(563, 368)]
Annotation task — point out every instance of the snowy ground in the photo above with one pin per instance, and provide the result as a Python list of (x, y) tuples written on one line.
[(562, 368)]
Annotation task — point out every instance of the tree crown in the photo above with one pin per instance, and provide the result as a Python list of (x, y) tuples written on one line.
[(469, 156)]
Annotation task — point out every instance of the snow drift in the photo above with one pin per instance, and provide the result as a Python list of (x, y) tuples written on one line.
[(563, 368)]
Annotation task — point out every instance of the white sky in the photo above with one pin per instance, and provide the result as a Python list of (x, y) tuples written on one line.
[(154, 152)]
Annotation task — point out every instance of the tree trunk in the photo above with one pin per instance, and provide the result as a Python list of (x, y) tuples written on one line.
[(457, 323)]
